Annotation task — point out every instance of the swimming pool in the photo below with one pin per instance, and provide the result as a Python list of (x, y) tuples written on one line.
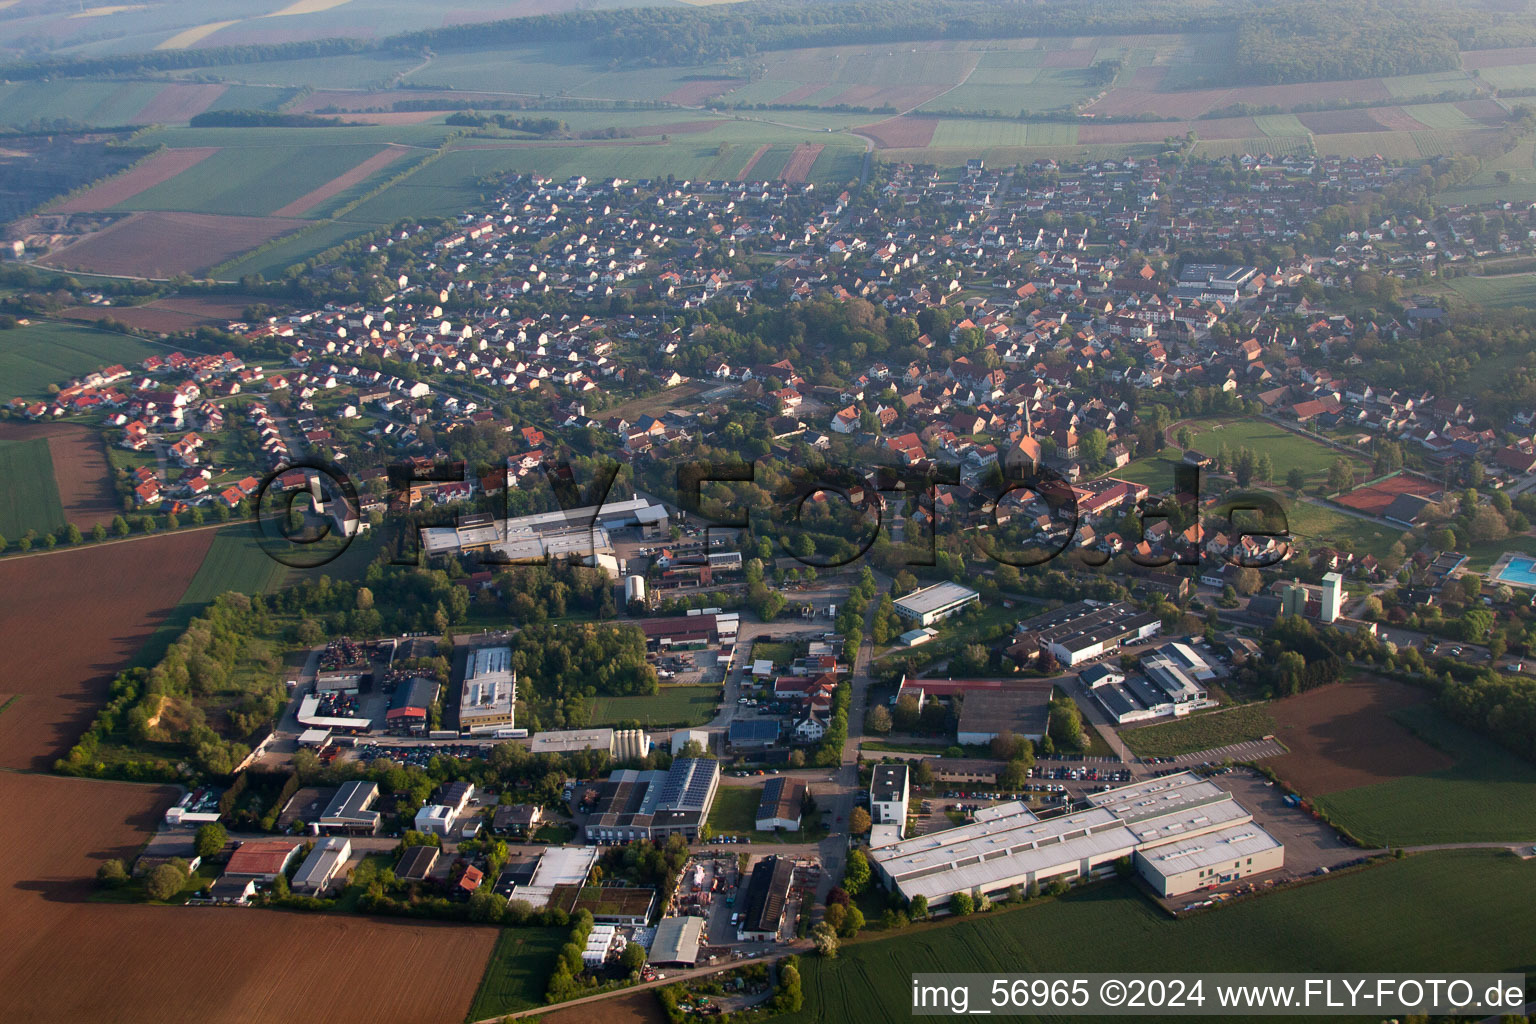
[(1519, 570)]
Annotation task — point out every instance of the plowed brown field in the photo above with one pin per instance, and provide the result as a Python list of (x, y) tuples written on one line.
[(67, 960), (1341, 736), (69, 620)]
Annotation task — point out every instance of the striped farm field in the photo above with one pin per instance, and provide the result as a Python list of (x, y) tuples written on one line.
[(29, 501), (36, 355), (152, 171), (1280, 124), (954, 133)]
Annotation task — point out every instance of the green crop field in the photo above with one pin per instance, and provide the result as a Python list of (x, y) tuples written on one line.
[(270, 263), (1203, 731), (29, 499), (1519, 163), (1431, 83), (1499, 292), (988, 134), (88, 102), (1488, 795), (1445, 911), (674, 705), (253, 180), (235, 561), (39, 354), (518, 971)]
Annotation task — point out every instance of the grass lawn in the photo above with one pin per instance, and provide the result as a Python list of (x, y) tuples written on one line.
[(674, 705), (518, 972), (779, 653), (1320, 524), (39, 354), (1447, 911), (1200, 732), (1481, 554), (735, 809), (1488, 795), (30, 498)]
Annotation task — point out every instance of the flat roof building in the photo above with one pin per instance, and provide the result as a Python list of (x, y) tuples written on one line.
[(890, 790), (677, 941), (1084, 630), (576, 532), (262, 859), (1022, 710), (1007, 845), (569, 741), (935, 603), (489, 693)]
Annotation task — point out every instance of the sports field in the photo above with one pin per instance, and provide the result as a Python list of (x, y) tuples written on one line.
[(37, 355), (1448, 911), (674, 705), (1485, 795), (29, 499), (1203, 731)]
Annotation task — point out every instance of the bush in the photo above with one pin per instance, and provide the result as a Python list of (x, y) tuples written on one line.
[(165, 881), (112, 874)]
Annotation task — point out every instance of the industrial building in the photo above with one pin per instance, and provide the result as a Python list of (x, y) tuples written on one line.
[(489, 694), (580, 533), (262, 859), (1007, 845), (634, 804), (621, 744), (1084, 630), (417, 863), (935, 603), (322, 865), (409, 706), (988, 706), (1170, 682), (890, 790), (1325, 603), (779, 808), (752, 733), (557, 867), (435, 818), (677, 942), (349, 810), (767, 898)]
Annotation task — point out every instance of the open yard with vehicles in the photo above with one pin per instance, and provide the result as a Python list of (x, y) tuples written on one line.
[(1440, 922), (674, 705), (1203, 731)]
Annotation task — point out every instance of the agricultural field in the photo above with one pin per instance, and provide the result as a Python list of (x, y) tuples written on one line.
[(518, 970), (162, 245), (258, 180), (36, 355), (674, 705), (65, 640), (1496, 292), (1440, 922), (1519, 163), (29, 500), (234, 560), (1204, 731), (119, 952), (1464, 787)]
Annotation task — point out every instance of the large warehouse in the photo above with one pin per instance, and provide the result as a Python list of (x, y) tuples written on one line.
[(931, 604), (1184, 832), (1084, 630), (577, 532)]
